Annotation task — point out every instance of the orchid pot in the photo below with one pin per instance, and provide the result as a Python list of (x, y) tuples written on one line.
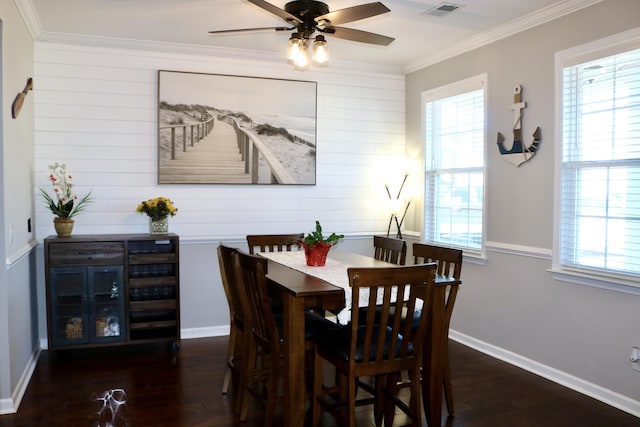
[(64, 204)]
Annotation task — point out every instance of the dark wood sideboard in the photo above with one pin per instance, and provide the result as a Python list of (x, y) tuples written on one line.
[(112, 289)]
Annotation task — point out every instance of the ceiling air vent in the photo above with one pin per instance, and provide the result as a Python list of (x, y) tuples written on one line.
[(442, 9)]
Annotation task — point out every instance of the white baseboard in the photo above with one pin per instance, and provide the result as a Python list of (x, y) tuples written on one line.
[(595, 391), (185, 334), (6, 407), (10, 406), (212, 331)]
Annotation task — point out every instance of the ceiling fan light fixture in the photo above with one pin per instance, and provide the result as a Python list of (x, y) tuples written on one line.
[(300, 53), (308, 16), (320, 50), (293, 48), (301, 62)]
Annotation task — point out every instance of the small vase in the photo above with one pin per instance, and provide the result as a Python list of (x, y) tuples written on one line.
[(158, 226), (63, 226), (316, 255)]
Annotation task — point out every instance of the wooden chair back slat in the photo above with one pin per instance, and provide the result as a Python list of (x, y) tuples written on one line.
[(263, 358), (449, 260), (232, 291), (390, 249), (252, 272), (273, 242), (380, 341), (391, 290), (237, 314)]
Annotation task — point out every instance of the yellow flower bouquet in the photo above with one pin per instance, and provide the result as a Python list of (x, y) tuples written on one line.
[(158, 208)]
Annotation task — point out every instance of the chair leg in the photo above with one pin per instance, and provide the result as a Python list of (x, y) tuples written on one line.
[(415, 402), (231, 350), (391, 392), (379, 399), (351, 389), (246, 376), (272, 392), (227, 379), (446, 377), (316, 390)]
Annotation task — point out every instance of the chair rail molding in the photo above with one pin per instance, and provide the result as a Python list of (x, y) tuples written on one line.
[(520, 250)]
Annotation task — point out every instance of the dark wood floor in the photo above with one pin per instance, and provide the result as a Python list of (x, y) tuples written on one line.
[(183, 389)]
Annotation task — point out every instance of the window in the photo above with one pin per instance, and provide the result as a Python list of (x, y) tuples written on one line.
[(454, 132), (599, 200)]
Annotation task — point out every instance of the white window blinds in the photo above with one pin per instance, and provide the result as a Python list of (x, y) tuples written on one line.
[(454, 123), (600, 169)]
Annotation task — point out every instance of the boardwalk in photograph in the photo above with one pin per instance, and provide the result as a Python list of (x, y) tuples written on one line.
[(213, 159)]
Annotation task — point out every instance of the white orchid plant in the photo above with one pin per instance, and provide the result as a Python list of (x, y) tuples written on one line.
[(66, 203)]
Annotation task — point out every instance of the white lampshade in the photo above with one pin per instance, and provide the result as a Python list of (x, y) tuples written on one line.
[(396, 206)]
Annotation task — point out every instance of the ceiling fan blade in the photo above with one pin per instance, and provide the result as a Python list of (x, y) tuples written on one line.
[(354, 13), (276, 11), (240, 30), (358, 35)]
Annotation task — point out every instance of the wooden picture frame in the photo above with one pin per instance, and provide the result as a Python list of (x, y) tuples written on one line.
[(226, 129)]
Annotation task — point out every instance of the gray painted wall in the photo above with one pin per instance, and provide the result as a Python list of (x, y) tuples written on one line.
[(18, 317), (511, 306)]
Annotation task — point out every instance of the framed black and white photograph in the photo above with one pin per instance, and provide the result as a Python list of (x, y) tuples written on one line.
[(224, 129)]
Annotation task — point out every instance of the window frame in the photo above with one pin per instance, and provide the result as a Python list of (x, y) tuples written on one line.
[(618, 43), (452, 89)]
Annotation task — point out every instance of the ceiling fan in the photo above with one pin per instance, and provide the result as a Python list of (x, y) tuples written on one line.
[(308, 16)]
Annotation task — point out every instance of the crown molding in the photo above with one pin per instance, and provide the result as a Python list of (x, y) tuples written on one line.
[(31, 18), (542, 16), (549, 13), (202, 50), (154, 46)]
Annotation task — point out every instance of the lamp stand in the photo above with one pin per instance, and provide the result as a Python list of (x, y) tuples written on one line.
[(394, 216)]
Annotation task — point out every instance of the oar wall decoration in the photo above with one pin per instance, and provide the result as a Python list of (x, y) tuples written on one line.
[(17, 103), (518, 154)]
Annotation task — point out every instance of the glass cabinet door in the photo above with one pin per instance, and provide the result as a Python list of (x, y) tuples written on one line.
[(69, 305), (106, 296)]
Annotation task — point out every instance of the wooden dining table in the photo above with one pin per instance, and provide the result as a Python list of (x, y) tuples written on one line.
[(299, 290)]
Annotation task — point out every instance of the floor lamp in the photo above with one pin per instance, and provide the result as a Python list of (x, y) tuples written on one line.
[(397, 206)]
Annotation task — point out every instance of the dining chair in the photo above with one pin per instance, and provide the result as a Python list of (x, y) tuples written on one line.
[(367, 347), (449, 264), (390, 249), (272, 242), (237, 330), (263, 361), (251, 272)]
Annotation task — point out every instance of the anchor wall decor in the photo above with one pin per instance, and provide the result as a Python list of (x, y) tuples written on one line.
[(518, 154)]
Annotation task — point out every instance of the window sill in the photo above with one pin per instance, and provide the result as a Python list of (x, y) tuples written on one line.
[(478, 258), (593, 280)]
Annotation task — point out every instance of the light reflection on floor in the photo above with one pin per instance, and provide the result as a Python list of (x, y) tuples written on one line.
[(112, 408)]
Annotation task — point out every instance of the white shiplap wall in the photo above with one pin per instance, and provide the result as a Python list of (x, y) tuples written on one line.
[(95, 109)]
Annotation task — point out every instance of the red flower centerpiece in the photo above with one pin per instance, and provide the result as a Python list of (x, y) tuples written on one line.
[(316, 247)]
